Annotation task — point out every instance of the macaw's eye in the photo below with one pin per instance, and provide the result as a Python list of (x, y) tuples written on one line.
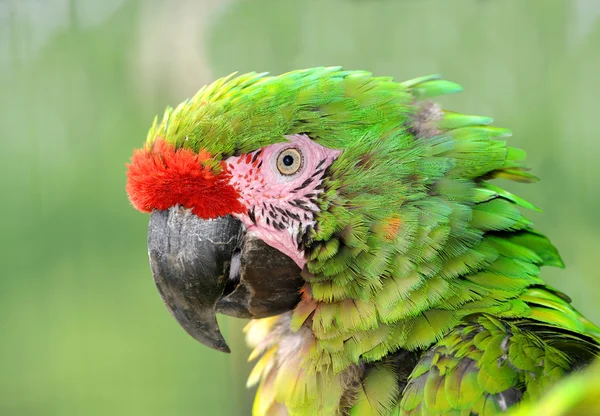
[(289, 161)]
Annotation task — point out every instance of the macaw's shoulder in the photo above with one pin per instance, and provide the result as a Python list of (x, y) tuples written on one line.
[(486, 365)]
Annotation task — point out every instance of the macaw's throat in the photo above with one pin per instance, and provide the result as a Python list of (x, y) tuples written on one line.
[(201, 267)]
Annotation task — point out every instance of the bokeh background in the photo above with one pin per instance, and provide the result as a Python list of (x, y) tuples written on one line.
[(82, 328)]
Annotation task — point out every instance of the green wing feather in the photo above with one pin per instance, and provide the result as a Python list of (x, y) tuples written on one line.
[(483, 366), (577, 395)]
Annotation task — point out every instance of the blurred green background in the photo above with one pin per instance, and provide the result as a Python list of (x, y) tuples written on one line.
[(83, 330)]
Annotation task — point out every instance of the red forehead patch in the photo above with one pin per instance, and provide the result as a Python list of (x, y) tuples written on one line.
[(161, 177)]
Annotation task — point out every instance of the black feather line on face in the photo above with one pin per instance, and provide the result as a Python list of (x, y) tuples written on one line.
[(298, 203), (317, 173), (319, 164), (299, 236), (252, 216), (256, 154), (305, 237), (304, 184), (292, 215)]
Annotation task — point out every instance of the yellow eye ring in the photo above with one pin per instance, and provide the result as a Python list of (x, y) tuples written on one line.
[(289, 161)]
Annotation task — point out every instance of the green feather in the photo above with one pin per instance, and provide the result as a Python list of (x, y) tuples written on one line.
[(434, 88), (453, 121), (378, 392)]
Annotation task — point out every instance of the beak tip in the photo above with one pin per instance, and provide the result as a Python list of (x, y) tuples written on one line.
[(216, 341), (215, 345)]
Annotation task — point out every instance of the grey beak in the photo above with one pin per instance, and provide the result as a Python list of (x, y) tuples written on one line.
[(201, 267), (189, 260)]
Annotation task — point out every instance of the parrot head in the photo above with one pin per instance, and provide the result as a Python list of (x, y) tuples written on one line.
[(259, 185)]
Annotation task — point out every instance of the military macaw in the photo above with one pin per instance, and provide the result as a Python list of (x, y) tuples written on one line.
[(355, 222)]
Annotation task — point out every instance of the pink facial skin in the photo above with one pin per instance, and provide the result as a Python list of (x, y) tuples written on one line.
[(280, 208)]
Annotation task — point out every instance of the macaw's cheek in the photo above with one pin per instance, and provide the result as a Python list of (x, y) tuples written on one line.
[(202, 267)]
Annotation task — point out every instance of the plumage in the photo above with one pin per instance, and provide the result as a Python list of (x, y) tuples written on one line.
[(412, 252)]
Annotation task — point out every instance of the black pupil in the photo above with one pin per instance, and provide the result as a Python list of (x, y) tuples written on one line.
[(288, 160)]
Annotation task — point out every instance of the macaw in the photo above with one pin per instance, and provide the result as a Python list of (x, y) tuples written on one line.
[(356, 223)]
